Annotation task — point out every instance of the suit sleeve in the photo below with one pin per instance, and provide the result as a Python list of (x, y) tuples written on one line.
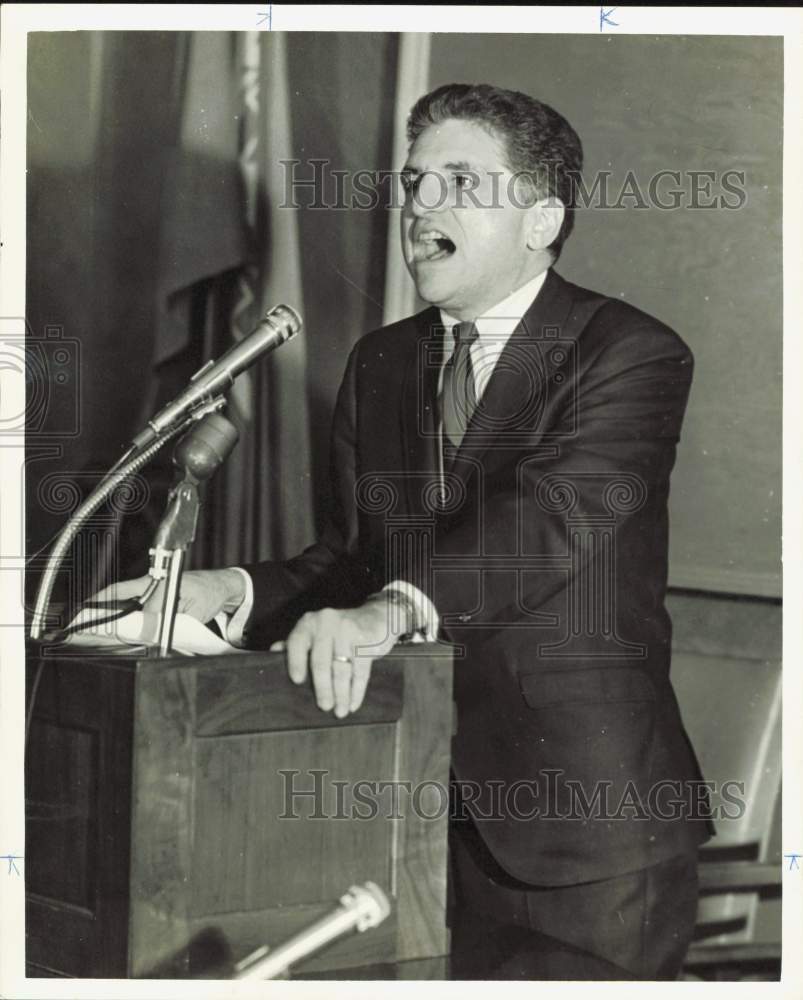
[(330, 573)]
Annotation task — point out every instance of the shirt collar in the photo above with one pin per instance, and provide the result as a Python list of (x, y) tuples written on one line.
[(503, 318)]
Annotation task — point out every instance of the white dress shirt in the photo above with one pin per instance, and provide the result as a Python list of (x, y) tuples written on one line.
[(494, 327)]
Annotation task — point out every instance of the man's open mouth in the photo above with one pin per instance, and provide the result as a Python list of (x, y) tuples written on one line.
[(432, 245)]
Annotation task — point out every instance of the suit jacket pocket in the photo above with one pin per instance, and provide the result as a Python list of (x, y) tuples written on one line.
[(596, 727), (595, 686)]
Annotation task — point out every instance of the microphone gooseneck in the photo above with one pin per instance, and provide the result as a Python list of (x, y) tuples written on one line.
[(76, 522)]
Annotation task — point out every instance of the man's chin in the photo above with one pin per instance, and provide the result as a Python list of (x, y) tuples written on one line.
[(433, 286)]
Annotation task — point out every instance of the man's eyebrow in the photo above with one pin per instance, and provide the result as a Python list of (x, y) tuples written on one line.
[(456, 165), (461, 165)]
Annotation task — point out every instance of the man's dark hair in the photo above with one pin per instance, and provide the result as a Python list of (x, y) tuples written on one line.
[(541, 146)]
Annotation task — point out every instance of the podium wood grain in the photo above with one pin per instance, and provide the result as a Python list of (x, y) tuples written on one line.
[(172, 825)]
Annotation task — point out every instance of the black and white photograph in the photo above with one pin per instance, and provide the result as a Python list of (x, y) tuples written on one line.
[(392, 426)]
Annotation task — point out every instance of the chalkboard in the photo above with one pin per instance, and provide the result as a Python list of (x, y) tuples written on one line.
[(641, 105)]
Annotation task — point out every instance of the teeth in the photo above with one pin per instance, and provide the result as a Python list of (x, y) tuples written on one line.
[(430, 235), (423, 250)]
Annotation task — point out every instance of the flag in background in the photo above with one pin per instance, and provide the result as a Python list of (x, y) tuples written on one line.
[(244, 312), (229, 253), (203, 228)]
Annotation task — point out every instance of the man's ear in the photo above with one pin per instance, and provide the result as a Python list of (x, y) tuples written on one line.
[(545, 218)]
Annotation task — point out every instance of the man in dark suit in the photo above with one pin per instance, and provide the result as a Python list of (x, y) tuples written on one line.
[(500, 474)]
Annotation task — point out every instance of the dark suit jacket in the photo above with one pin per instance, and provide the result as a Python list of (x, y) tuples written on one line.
[(546, 558)]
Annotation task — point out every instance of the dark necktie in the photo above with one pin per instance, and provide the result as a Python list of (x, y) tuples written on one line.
[(459, 395)]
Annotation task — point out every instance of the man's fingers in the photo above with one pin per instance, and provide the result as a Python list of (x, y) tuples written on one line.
[(298, 645), (323, 643), (320, 662), (359, 681), (123, 590), (342, 672)]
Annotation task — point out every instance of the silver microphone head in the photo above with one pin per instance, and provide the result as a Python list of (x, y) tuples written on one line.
[(284, 320)]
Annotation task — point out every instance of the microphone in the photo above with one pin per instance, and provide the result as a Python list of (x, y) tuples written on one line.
[(362, 907), (279, 324), (205, 447), (198, 454)]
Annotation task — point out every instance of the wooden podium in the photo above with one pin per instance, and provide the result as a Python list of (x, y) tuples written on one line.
[(182, 812)]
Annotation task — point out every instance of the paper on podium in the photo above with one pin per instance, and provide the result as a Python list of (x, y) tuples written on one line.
[(141, 628)]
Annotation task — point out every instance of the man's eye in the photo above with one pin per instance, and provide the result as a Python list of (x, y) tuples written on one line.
[(409, 182), (465, 182)]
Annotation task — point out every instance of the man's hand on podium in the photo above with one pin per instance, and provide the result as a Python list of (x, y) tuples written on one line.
[(204, 592), (338, 647)]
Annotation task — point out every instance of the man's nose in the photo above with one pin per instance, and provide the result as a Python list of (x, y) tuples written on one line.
[(430, 194)]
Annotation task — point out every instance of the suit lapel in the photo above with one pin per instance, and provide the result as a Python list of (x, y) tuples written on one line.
[(514, 398), (419, 409)]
